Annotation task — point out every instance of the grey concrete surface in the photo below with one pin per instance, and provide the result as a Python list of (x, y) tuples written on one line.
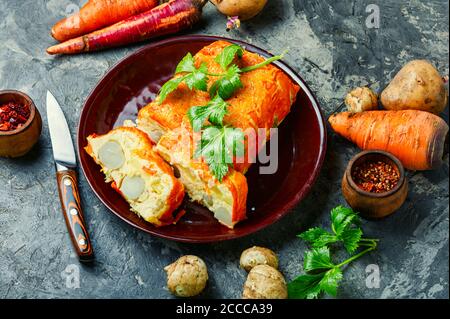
[(333, 50)]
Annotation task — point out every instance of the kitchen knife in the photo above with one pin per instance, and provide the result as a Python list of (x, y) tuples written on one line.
[(65, 161)]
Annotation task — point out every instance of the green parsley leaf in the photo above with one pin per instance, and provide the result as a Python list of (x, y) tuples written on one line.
[(169, 87), (218, 146), (305, 287), (186, 64), (311, 286), (312, 234), (351, 238), (343, 217), (318, 259), (228, 54), (227, 84), (219, 170), (215, 111), (318, 237), (330, 281), (322, 274), (343, 222), (198, 79), (195, 78)]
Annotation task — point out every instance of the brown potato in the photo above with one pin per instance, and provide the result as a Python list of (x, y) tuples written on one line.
[(417, 86), (265, 282), (255, 255), (361, 99), (245, 9), (187, 277)]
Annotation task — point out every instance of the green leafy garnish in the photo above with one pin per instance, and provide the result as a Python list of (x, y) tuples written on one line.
[(214, 111), (218, 146), (228, 54), (306, 286), (195, 78), (322, 274), (187, 64), (317, 259), (228, 83), (169, 87), (344, 225)]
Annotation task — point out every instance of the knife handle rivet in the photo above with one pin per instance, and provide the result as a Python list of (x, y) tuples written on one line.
[(67, 181), (73, 212), (82, 242)]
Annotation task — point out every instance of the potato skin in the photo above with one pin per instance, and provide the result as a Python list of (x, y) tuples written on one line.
[(245, 9), (417, 86), (255, 255), (265, 282), (361, 99), (187, 277)]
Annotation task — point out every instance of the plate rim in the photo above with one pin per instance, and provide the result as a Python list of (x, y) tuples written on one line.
[(282, 210)]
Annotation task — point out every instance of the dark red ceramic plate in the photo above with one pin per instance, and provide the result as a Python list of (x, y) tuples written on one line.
[(134, 82)]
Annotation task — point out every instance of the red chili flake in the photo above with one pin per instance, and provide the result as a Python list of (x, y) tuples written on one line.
[(375, 177), (13, 115)]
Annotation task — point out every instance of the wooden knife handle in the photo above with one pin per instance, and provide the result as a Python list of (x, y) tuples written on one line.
[(71, 206)]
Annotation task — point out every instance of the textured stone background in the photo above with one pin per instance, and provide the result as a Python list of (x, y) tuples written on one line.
[(331, 48)]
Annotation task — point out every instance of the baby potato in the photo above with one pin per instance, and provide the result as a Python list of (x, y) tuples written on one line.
[(265, 282), (254, 256), (361, 99), (245, 9), (417, 86), (187, 277)]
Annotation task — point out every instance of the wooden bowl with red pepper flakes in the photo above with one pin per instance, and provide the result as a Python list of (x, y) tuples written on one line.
[(20, 123), (374, 184)]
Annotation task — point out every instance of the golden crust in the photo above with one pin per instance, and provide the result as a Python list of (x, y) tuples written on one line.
[(263, 102)]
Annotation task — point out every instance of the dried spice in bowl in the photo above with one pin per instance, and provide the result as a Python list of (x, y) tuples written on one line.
[(13, 115), (20, 123), (375, 176)]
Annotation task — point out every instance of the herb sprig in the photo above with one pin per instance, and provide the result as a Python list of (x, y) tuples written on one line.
[(219, 143), (193, 77), (322, 274)]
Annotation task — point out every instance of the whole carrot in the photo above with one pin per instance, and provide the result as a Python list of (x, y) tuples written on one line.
[(417, 138), (167, 18), (96, 14)]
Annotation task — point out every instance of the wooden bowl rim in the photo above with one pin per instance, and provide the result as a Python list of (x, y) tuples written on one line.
[(33, 111), (389, 156)]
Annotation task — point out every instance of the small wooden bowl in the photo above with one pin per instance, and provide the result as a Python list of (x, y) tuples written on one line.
[(18, 142), (374, 205)]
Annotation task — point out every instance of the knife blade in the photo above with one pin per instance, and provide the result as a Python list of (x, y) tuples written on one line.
[(62, 145), (65, 161)]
